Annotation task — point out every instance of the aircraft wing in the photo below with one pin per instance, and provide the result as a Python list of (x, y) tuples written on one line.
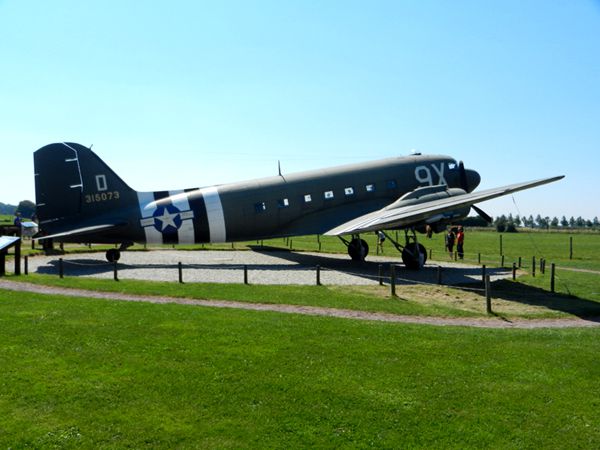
[(428, 211), (80, 231)]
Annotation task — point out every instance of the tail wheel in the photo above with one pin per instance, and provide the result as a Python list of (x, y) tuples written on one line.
[(414, 256), (358, 249), (113, 255)]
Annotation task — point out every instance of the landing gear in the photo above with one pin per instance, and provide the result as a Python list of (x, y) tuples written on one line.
[(113, 255), (414, 255), (358, 249)]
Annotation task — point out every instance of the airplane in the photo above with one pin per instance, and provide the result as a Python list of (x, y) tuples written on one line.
[(80, 199)]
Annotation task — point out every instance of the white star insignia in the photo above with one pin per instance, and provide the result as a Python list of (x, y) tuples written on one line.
[(167, 219)]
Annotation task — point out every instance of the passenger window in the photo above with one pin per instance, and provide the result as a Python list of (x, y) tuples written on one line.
[(349, 191), (283, 203), (260, 207), (370, 187), (307, 198), (328, 195)]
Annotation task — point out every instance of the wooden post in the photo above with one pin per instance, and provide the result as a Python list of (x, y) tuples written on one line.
[(393, 279), (501, 252), (483, 273), (552, 273), (514, 271), (430, 253), (26, 258), (519, 262), (61, 272), (570, 247), (318, 275), (18, 257), (488, 295), (180, 271), (115, 271), (542, 266), (478, 258), (533, 266), (245, 274), (502, 261), (439, 275), (380, 269), (455, 256), (2, 263)]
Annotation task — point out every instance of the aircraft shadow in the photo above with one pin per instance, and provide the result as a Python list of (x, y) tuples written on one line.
[(529, 295)]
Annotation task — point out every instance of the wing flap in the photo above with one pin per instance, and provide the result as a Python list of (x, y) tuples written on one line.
[(433, 210)]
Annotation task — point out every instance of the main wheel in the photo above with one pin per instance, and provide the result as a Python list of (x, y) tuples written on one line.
[(113, 255), (414, 256), (358, 249)]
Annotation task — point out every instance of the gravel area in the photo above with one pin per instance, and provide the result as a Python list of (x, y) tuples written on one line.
[(264, 267)]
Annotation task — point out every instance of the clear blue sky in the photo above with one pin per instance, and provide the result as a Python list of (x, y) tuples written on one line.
[(188, 93)]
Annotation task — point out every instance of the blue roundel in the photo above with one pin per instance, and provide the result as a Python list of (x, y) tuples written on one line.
[(167, 219)]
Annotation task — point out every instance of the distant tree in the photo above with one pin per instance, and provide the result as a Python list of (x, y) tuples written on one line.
[(539, 221), (511, 228), (580, 222), (564, 222), (26, 208), (572, 222), (500, 223), (589, 223), (518, 221), (595, 222), (7, 209), (554, 222), (531, 222)]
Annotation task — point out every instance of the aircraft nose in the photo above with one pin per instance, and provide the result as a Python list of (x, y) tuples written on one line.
[(473, 179)]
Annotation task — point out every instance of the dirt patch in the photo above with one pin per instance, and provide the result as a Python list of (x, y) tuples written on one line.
[(492, 322)]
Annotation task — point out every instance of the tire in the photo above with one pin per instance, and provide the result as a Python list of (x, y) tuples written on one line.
[(113, 255), (413, 260), (358, 249)]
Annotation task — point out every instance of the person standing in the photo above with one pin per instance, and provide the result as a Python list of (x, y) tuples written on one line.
[(450, 242), (460, 240)]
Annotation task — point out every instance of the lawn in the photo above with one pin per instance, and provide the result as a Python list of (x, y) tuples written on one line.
[(96, 373)]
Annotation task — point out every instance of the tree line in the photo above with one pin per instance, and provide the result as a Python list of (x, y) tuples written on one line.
[(510, 223)]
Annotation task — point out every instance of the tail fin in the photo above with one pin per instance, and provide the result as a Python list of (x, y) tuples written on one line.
[(71, 182)]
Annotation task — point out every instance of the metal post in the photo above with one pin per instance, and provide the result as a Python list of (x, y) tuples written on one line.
[(439, 275), (180, 271), (483, 273), (570, 247), (291, 244), (26, 265), (115, 272), (501, 252), (393, 279), (488, 295), (245, 274), (430, 253), (318, 275), (380, 274), (478, 258), (61, 271), (519, 262), (533, 266), (552, 273), (514, 271), (502, 261)]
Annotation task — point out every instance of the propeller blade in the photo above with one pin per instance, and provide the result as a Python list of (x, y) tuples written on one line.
[(463, 177), (482, 214)]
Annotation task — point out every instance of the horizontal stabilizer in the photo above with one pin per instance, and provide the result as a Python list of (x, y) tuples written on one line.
[(80, 231), (417, 213)]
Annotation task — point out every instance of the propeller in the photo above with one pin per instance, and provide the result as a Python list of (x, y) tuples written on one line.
[(482, 214), (464, 184)]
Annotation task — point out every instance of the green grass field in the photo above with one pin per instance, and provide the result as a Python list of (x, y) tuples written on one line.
[(81, 373)]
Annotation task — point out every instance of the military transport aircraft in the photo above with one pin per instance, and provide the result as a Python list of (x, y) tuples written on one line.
[(80, 199)]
